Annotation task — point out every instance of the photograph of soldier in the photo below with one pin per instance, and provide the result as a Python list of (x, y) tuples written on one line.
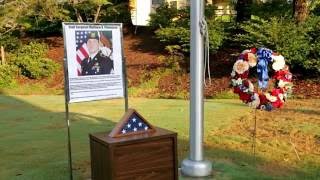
[(99, 60)]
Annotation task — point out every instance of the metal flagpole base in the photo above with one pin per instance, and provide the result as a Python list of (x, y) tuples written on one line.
[(196, 168)]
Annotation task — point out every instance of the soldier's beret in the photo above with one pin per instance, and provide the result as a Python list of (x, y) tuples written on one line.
[(93, 35)]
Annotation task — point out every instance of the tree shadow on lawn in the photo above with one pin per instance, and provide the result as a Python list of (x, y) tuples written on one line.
[(34, 140)]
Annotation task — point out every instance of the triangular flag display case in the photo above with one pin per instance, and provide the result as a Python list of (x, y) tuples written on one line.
[(132, 123), (134, 149)]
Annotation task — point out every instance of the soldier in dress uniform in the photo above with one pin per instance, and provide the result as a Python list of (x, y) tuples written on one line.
[(97, 62)]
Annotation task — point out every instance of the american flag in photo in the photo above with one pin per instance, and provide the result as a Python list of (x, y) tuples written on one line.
[(82, 49), (134, 124)]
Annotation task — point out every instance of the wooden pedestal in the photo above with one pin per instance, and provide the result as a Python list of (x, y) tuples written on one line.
[(139, 157)]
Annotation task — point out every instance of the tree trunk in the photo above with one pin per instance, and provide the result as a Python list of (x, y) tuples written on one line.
[(79, 18), (243, 8), (74, 3), (3, 60), (97, 14), (300, 10)]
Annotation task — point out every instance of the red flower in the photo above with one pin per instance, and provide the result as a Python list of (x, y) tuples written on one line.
[(245, 83), (283, 75), (245, 57), (236, 90), (276, 92), (245, 75), (245, 97), (279, 102), (253, 50), (263, 99)]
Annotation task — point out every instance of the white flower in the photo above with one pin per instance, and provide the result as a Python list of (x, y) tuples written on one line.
[(270, 97), (252, 59), (281, 96), (282, 83), (255, 101), (241, 66), (245, 90), (251, 86), (236, 82), (278, 62), (233, 74)]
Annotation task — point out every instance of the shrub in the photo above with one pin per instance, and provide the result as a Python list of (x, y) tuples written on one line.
[(32, 63), (274, 8), (117, 13), (163, 17), (43, 27), (175, 36), (181, 36), (7, 75), (297, 43), (9, 42)]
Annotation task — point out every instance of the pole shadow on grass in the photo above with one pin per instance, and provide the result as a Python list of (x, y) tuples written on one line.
[(236, 164)]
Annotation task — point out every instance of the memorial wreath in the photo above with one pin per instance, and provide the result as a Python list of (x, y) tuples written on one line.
[(264, 97)]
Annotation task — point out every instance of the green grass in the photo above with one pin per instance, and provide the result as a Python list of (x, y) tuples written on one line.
[(33, 136)]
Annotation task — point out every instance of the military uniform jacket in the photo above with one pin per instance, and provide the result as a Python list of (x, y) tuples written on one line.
[(100, 64)]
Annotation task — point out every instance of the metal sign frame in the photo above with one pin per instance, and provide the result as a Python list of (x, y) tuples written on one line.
[(66, 83)]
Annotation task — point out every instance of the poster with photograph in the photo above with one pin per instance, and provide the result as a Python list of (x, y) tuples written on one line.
[(94, 58)]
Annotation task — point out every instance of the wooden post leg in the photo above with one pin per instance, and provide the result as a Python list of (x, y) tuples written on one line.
[(3, 60)]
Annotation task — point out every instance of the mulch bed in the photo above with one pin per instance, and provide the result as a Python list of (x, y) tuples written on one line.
[(142, 58)]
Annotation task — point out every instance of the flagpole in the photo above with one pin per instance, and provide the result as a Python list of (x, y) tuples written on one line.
[(195, 165)]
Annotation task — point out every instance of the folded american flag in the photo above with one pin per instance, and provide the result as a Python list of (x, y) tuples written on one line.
[(131, 123), (134, 124)]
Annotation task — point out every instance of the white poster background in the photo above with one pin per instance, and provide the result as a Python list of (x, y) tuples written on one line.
[(93, 87)]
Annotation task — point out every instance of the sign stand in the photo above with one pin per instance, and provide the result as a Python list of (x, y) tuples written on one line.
[(66, 87), (126, 107), (67, 117), (69, 141)]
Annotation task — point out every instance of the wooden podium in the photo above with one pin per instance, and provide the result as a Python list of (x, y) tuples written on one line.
[(150, 156)]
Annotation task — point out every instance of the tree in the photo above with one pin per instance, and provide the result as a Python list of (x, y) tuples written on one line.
[(88, 10), (243, 10), (24, 14), (301, 10)]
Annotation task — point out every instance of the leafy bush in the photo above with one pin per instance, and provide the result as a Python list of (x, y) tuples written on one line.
[(32, 63), (117, 13), (163, 17), (181, 36), (7, 75), (175, 36), (173, 27), (42, 27), (274, 8), (9, 42), (299, 44)]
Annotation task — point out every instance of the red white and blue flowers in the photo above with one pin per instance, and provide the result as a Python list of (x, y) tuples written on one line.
[(264, 97)]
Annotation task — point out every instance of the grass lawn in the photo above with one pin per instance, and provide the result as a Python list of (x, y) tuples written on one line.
[(33, 136)]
